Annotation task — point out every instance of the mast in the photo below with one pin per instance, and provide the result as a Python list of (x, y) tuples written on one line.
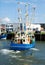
[(26, 12), (19, 13), (20, 16), (33, 14)]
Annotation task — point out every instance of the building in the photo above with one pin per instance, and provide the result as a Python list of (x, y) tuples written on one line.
[(9, 27), (13, 27), (2, 28)]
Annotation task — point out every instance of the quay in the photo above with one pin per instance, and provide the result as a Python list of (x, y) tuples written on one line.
[(38, 36)]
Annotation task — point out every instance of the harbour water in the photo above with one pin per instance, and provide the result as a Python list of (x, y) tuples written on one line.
[(34, 56)]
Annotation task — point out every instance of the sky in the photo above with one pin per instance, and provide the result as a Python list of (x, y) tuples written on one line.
[(9, 13)]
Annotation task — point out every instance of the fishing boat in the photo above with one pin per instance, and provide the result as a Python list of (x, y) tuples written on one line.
[(24, 42), (3, 36), (24, 39)]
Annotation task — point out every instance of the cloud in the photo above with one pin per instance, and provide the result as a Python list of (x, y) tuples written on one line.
[(5, 20)]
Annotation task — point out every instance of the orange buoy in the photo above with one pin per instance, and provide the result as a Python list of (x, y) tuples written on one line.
[(29, 40), (18, 41)]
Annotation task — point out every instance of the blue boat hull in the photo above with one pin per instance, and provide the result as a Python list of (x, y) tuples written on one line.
[(3, 36), (14, 46)]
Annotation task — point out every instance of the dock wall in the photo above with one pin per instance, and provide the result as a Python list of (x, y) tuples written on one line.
[(39, 37)]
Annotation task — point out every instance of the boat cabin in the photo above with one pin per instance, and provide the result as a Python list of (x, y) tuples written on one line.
[(24, 38)]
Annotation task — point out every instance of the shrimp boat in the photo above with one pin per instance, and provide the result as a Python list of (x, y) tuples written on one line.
[(22, 41), (3, 36)]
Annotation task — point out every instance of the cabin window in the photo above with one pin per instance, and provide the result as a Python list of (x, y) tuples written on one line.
[(32, 36), (18, 34), (15, 40), (23, 40), (22, 33)]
